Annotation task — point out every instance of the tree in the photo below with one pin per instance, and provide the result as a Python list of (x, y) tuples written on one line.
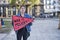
[(32, 2), (13, 2), (22, 2)]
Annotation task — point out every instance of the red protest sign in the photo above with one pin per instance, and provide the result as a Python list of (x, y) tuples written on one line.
[(20, 22)]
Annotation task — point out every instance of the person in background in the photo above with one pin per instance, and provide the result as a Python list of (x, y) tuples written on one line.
[(2, 23)]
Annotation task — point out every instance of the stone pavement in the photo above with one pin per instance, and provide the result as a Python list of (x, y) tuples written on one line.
[(2, 36), (41, 30), (11, 36)]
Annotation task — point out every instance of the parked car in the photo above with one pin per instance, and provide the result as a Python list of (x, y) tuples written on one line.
[(51, 15), (48, 15), (42, 16)]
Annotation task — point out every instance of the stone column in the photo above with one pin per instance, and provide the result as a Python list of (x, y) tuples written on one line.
[(6, 12), (16, 11), (11, 11)]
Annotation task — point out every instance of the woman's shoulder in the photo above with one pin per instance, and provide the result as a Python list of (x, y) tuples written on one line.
[(18, 14), (27, 15)]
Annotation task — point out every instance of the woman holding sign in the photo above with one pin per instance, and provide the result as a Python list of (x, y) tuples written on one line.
[(25, 31)]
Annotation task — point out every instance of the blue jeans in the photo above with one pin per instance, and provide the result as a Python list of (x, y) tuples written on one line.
[(22, 33)]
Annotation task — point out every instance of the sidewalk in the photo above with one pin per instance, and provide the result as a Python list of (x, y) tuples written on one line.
[(2, 36), (11, 36), (4, 32), (41, 30)]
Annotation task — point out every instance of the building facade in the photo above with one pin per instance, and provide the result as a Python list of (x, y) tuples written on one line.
[(7, 11), (38, 9), (52, 6)]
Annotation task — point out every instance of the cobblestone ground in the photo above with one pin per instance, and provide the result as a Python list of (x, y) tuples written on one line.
[(40, 30)]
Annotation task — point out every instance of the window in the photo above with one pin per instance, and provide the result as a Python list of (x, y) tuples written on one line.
[(1, 9), (14, 10), (41, 9), (9, 12), (48, 2), (41, 1), (59, 8), (58, 2), (52, 7), (47, 7), (54, 2)]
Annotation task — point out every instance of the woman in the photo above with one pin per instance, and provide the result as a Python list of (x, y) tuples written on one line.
[(24, 32)]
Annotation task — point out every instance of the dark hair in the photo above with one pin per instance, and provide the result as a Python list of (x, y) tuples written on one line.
[(22, 6)]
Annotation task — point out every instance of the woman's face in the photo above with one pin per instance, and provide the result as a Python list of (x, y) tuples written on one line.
[(22, 10)]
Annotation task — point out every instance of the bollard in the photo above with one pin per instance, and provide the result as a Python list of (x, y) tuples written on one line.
[(0, 24), (59, 22)]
